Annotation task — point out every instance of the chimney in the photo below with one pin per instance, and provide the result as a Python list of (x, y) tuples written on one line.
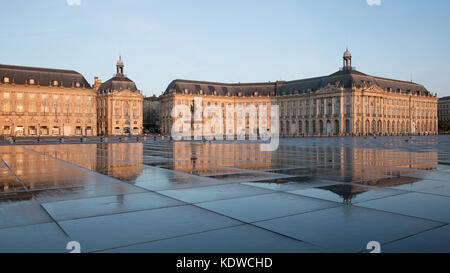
[(97, 83)]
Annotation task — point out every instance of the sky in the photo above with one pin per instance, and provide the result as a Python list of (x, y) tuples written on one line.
[(230, 40)]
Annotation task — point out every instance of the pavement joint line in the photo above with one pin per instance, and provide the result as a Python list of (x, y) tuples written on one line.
[(231, 168), (163, 239), (120, 212), (358, 205), (15, 175), (412, 235), (86, 169), (393, 213)]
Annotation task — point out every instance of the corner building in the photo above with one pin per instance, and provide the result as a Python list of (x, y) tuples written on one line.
[(54, 102), (45, 102), (347, 102), (119, 105)]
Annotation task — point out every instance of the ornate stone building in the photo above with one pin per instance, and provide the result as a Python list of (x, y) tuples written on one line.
[(45, 102), (55, 102), (347, 102), (216, 94), (152, 109), (119, 105), (444, 109)]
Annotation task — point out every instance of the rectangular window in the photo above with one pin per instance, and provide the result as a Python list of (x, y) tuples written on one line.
[(6, 107)]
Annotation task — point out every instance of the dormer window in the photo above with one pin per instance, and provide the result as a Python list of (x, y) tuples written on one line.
[(55, 83), (6, 79), (77, 85), (31, 81)]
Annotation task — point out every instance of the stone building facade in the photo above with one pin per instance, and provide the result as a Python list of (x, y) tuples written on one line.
[(45, 102), (119, 105), (347, 102), (152, 109), (214, 94), (444, 109), (54, 102)]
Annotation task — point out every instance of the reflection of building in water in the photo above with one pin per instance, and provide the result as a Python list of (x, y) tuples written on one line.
[(38, 172), (355, 164), (197, 158), (41, 172), (343, 164), (120, 160), (346, 102)]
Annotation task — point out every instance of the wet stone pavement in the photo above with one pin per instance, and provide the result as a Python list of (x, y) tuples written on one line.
[(311, 195)]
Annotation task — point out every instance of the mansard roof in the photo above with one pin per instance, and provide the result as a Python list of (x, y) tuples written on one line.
[(346, 77), (117, 83), (221, 89), (42, 76)]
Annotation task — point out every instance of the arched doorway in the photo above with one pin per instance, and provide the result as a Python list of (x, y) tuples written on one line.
[(329, 129)]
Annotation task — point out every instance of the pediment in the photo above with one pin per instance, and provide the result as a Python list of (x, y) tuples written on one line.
[(328, 89), (127, 93), (374, 89)]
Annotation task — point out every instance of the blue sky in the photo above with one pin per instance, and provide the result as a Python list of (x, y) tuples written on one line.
[(230, 40)]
